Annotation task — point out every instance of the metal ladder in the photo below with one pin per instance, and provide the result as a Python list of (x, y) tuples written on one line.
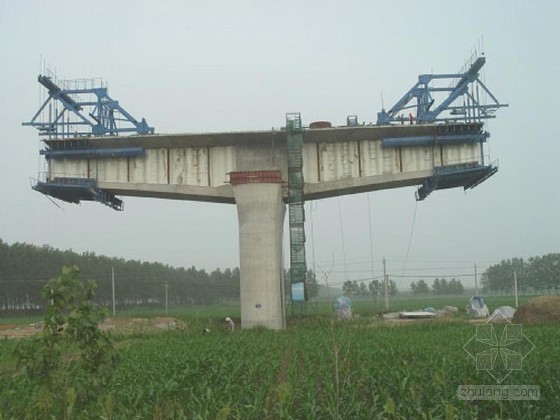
[(298, 265)]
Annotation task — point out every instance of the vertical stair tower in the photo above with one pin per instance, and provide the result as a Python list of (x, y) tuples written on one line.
[(298, 265)]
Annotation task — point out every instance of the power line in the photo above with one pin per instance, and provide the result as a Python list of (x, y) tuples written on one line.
[(433, 276), (342, 236), (370, 233), (410, 238)]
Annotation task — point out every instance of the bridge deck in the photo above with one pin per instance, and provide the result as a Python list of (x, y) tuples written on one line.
[(321, 135), (336, 161)]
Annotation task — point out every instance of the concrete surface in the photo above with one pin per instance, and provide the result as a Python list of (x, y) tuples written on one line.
[(260, 211)]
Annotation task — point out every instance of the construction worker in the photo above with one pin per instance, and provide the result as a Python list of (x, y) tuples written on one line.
[(231, 324)]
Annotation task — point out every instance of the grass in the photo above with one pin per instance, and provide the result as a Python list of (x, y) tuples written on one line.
[(369, 307), (360, 306), (183, 312), (408, 371), (317, 368), (19, 320)]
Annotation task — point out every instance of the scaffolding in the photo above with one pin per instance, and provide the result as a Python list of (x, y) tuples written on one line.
[(465, 99), (74, 190), (458, 111), (83, 107), (74, 111), (298, 265), (467, 174)]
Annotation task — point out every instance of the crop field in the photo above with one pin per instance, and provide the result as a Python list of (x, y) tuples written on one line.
[(317, 368)]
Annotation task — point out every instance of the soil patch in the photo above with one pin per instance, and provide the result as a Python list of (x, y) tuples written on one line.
[(543, 309), (116, 325), (140, 325), (19, 331), (7, 327)]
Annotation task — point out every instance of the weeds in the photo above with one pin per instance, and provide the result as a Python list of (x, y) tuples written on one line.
[(315, 369), (67, 366)]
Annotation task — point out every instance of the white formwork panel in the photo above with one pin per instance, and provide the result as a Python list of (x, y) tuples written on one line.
[(417, 158), (222, 162), (462, 153), (327, 162), (372, 157), (310, 162), (390, 159), (68, 168), (109, 169), (150, 168), (189, 166), (349, 160), (338, 161), (179, 166)]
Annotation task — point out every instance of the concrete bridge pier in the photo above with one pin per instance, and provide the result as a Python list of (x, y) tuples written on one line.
[(260, 210)]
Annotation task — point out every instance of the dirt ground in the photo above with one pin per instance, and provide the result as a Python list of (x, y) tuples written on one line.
[(543, 309), (116, 325)]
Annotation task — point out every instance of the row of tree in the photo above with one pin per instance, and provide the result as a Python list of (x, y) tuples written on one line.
[(439, 287), (374, 287), (535, 275), (25, 269)]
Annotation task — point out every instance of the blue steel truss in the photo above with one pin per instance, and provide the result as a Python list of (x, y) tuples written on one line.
[(74, 190), (462, 102), (467, 175), (86, 110)]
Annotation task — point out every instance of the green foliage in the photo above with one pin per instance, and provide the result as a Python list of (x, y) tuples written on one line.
[(393, 289), (538, 274), (375, 287), (312, 284), (444, 287), (316, 369), (419, 288), (351, 288), (25, 268), (71, 357)]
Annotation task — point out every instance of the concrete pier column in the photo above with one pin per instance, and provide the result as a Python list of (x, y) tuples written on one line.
[(260, 210)]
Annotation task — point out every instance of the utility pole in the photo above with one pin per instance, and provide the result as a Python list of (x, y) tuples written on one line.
[(166, 296), (475, 281), (386, 284), (113, 287), (515, 288)]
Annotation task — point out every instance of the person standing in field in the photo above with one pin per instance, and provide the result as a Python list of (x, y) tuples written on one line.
[(231, 324)]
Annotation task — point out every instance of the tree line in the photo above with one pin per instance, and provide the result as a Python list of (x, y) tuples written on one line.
[(25, 269), (374, 287), (536, 275), (439, 287)]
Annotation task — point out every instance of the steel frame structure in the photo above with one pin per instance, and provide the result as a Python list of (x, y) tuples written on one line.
[(296, 210), (462, 104), (74, 110), (88, 111)]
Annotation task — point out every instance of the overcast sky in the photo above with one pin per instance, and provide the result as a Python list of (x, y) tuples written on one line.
[(212, 66)]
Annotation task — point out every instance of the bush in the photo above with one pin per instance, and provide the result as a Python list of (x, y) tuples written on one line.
[(72, 359)]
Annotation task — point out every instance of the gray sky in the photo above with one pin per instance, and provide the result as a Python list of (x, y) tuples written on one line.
[(210, 66)]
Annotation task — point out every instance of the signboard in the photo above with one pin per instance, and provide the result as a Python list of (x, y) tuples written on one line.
[(298, 292)]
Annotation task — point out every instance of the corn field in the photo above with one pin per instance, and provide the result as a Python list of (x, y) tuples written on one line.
[(318, 368)]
